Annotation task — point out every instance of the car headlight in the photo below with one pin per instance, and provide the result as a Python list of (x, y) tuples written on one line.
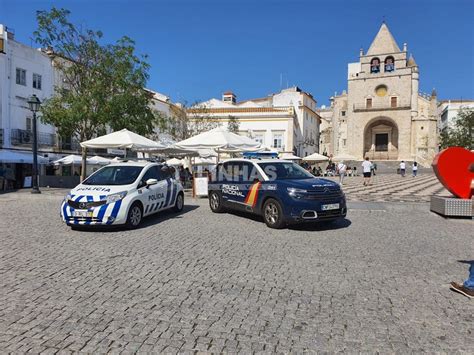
[(67, 197), (116, 197), (294, 192)]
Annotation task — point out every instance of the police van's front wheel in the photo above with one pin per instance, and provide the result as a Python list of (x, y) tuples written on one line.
[(273, 214), (215, 202), (179, 205), (135, 215)]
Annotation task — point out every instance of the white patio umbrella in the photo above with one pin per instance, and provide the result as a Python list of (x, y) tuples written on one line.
[(220, 140), (10, 156), (205, 161), (70, 160), (98, 160), (174, 162), (122, 139), (289, 156), (207, 153), (316, 158)]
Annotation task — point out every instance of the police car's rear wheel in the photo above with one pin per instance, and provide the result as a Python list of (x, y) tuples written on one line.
[(135, 216), (273, 214), (178, 206), (215, 202)]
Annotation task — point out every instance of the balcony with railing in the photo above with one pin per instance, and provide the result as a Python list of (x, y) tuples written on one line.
[(384, 106), (24, 137)]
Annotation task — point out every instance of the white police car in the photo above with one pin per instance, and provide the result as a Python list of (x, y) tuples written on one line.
[(123, 193), (280, 191)]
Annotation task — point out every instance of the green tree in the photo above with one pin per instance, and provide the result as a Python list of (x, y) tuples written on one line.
[(461, 132), (99, 85), (189, 121), (233, 124)]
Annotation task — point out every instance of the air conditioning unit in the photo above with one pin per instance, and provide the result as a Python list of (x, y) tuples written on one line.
[(25, 137)]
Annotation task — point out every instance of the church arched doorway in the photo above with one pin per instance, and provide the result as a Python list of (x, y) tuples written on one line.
[(381, 139)]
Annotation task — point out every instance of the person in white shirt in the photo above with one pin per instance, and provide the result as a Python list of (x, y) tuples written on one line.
[(402, 168), (414, 168), (366, 168), (341, 170)]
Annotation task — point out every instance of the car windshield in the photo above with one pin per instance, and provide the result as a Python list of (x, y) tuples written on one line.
[(284, 170), (114, 175)]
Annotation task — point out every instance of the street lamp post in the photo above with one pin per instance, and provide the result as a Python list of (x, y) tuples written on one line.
[(35, 104)]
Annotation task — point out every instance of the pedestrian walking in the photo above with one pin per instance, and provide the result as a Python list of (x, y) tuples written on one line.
[(366, 169), (402, 168), (373, 168), (466, 288), (341, 170), (414, 168)]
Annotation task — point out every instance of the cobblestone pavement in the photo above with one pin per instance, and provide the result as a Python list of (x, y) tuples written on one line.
[(393, 188), (198, 281)]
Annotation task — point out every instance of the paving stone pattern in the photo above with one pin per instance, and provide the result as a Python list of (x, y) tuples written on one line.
[(204, 282), (393, 188)]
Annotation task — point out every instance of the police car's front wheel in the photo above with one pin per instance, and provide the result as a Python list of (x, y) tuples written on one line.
[(215, 202), (273, 214), (135, 216)]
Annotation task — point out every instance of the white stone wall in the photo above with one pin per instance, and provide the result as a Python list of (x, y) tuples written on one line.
[(14, 107), (448, 111), (301, 133)]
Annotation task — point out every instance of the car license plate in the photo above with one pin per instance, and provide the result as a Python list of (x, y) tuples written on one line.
[(332, 206), (82, 214)]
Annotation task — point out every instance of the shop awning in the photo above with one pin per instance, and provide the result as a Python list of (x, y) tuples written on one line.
[(12, 156)]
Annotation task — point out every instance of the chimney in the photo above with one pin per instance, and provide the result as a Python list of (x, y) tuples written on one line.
[(10, 33), (229, 97), (405, 47)]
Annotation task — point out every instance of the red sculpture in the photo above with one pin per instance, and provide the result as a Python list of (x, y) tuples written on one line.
[(454, 168)]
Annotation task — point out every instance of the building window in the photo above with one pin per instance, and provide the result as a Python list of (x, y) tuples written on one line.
[(389, 64), (277, 140), (29, 124), (393, 102), (343, 113), (21, 76), (344, 142), (258, 138), (368, 103), (375, 65), (37, 81)]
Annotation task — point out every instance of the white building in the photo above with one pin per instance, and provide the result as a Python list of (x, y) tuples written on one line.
[(286, 121), (24, 71), (448, 111)]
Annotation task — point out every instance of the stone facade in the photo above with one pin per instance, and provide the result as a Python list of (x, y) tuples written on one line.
[(382, 115)]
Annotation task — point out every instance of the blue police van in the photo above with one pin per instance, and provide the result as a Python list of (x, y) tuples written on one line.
[(280, 191)]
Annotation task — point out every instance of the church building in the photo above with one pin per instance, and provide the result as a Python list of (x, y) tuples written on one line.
[(382, 115)]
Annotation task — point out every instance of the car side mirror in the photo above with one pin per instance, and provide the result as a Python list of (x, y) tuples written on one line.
[(151, 182)]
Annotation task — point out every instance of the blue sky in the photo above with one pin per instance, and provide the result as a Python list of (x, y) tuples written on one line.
[(198, 49)]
